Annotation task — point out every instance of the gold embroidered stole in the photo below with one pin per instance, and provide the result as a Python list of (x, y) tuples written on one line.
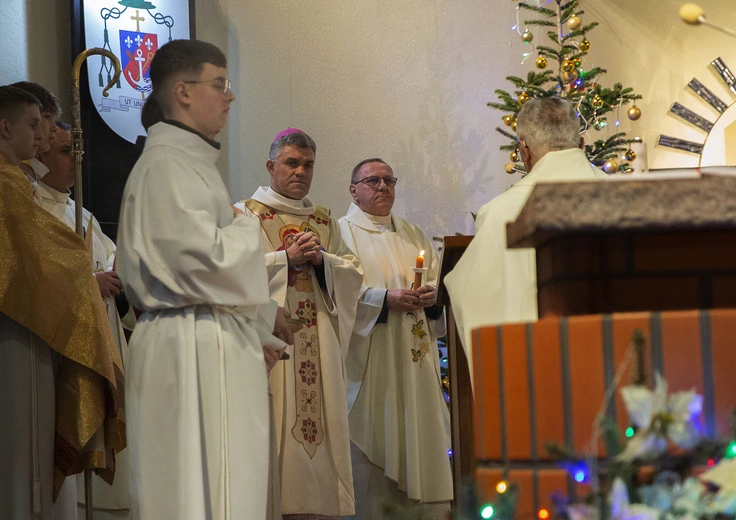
[(280, 228)]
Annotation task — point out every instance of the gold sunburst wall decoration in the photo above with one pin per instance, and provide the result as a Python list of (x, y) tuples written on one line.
[(719, 144)]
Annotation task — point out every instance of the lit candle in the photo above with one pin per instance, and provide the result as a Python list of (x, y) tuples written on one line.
[(420, 259), (417, 271)]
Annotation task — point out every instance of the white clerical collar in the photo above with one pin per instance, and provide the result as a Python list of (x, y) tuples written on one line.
[(383, 223), (562, 166), (188, 142), (34, 169), (378, 219), (39, 168), (296, 204), (372, 222), (278, 202), (53, 195)]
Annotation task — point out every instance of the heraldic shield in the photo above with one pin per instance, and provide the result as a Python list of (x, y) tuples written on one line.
[(136, 52), (133, 30)]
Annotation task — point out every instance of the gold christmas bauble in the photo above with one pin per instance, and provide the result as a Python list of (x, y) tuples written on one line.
[(522, 98), (597, 101), (509, 168), (514, 156), (584, 45), (446, 384), (569, 77), (610, 166), (634, 113), (568, 66), (513, 125), (527, 37), (630, 155), (574, 22), (541, 62), (507, 120)]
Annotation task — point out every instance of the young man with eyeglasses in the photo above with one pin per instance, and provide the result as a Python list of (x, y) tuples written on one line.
[(197, 401), (399, 422), (316, 277)]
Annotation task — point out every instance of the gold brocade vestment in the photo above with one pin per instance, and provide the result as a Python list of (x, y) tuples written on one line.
[(47, 286), (280, 228)]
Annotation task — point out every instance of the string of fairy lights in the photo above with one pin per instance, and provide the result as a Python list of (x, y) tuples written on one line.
[(573, 75)]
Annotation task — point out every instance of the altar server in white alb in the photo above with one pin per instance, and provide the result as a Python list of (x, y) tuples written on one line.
[(492, 284), (399, 421), (317, 278), (53, 190), (197, 390)]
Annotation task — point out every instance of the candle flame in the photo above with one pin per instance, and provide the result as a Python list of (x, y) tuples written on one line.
[(421, 253)]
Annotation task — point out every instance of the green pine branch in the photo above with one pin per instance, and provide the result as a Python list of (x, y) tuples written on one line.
[(548, 51), (506, 134), (540, 23), (537, 9)]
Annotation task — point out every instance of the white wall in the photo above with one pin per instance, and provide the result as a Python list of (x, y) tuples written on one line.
[(406, 80), (35, 45)]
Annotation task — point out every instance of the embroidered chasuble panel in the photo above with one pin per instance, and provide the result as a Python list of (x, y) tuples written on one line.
[(280, 229)]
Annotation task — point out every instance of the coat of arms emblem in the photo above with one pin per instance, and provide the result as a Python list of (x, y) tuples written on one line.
[(133, 30)]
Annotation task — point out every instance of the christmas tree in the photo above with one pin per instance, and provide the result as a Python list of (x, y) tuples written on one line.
[(563, 70)]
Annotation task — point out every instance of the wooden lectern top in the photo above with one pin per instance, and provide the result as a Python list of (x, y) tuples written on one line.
[(574, 208), (453, 248)]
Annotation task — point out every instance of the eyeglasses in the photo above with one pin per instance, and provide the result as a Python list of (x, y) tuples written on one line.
[(375, 182), (222, 84)]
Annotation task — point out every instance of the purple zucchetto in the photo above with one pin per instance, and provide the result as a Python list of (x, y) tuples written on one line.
[(287, 132)]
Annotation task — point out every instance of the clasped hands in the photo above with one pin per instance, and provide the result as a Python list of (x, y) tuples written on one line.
[(408, 300), (306, 247)]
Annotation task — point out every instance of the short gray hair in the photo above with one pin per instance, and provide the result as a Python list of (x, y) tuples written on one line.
[(295, 139), (548, 123), (357, 168)]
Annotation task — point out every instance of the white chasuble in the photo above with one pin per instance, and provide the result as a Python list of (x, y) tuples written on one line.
[(116, 496), (399, 418), (197, 392), (492, 284), (309, 390)]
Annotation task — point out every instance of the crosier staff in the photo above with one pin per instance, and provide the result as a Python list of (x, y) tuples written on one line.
[(77, 143), (78, 151)]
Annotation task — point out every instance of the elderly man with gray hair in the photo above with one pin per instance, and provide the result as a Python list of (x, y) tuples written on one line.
[(491, 284)]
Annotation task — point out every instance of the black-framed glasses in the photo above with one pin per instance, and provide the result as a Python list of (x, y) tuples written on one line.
[(374, 181), (222, 84)]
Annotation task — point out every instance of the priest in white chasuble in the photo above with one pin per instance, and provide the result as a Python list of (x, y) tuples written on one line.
[(492, 284), (317, 278), (53, 189), (197, 400), (60, 373), (399, 420)]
